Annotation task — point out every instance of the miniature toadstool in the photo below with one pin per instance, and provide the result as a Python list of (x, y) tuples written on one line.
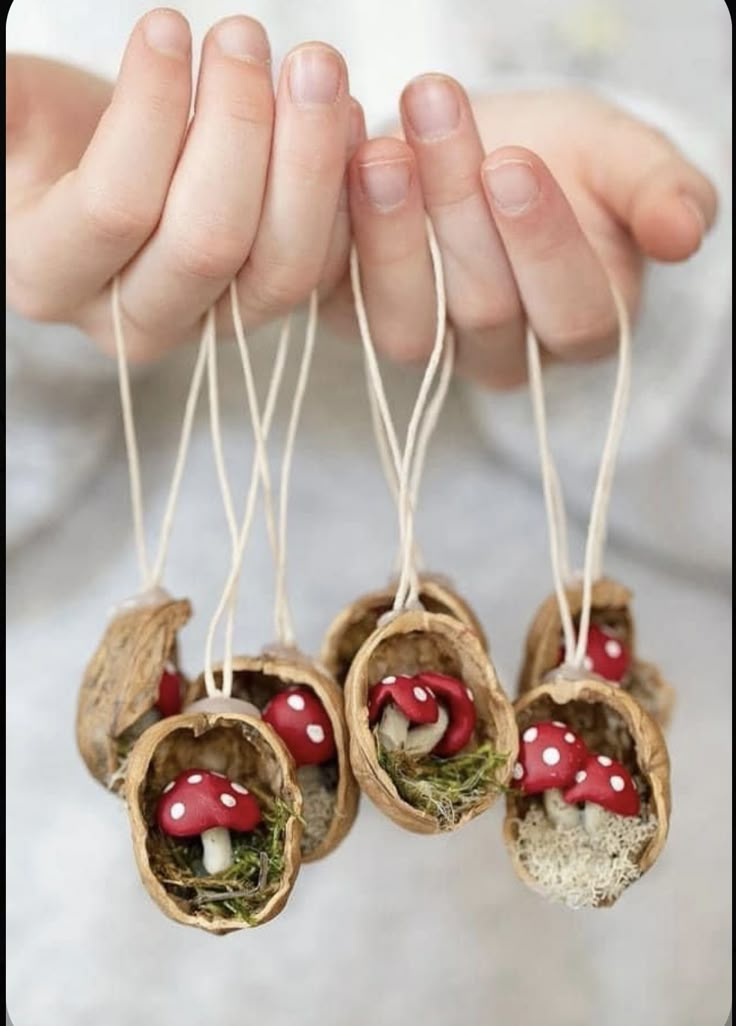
[(460, 704), (605, 654), (603, 784), (409, 714), (205, 803), (550, 754), (169, 691), (302, 723)]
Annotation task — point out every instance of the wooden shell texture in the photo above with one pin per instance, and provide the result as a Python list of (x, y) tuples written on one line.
[(355, 624), (242, 748), (611, 604), (257, 679), (121, 682), (416, 641), (611, 723)]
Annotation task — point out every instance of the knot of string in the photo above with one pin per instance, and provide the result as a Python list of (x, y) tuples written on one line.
[(260, 474), (403, 470), (151, 573), (575, 648)]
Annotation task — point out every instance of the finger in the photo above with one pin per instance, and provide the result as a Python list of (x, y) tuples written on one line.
[(563, 286), (304, 181), (666, 202), (80, 232), (482, 298), (214, 203), (390, 233)]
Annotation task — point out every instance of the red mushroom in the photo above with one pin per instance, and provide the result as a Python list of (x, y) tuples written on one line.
[(605, 654), (205, 803), (410, 717), (460, 704), (550, 754), (603, 784), (169, 691), (302, 723)]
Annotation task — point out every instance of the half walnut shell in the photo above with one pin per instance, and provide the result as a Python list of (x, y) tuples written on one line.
[(120, 687), (245, 750), (355, 624), (611, 606), (330, 792), (418, 641), (610, 723)]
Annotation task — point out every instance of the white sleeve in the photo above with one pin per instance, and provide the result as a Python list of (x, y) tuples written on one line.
[(675, 458)]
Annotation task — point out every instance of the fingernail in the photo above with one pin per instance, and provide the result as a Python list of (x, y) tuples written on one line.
[(385, 182), (513, 185), (315, 76), (168, 33), (432, 107), (697, 212), (355, 126), (243, 39)]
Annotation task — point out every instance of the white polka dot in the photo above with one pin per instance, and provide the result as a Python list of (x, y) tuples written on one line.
[(588, 663), (570, 738), (228, 800), (315, 733), (530, 734), (604, 760), (559, 723), (617, 783), (295, 702), (580, 776), (239, 788), (470, 694), (177, 810), (169, 787), (420, 694), (550, 756), (388, 680), (196, 778), (518, 772), (612, 648)]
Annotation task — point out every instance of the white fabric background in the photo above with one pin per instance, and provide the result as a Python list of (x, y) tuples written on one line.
[(392, 928)]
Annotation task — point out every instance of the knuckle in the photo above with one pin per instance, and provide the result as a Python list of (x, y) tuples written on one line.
[(590, 331), (115, 220), (207, 254), (278, 287)]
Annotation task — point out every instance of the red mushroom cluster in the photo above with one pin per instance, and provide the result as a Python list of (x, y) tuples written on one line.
[(555, 762), (422, 714), (605, 654), (302, 723)]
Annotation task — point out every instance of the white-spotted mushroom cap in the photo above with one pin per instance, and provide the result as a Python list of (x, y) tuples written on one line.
[(302, 723), (458, 700), (607, 783), (550, 754), (199, 799), (606, 655), (409, 696)]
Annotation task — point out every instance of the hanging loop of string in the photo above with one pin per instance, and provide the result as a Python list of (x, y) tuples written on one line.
[(403, 470), (260, 473), (152, 573), (575, 648)]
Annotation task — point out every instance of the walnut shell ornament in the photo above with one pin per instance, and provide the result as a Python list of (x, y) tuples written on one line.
[(247, 761), (355, 624), (429, 795), (120, 691), (613, 624), (589, 860), (306, 708)]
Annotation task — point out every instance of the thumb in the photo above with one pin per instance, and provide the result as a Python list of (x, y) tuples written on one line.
[(663, 200)]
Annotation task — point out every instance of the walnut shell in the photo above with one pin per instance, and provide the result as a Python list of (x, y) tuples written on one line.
[(355, 624), (256, 679), (121, 682), (242, 748), (416, 641), (611, 723), (610, 604)]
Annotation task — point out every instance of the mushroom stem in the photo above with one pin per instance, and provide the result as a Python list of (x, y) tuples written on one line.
[(217, 851), (393, 729), (594, 817), (421, 740), (559, 812)]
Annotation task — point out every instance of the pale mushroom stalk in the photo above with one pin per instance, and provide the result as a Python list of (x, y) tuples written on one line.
[(594, 817), (559, 813), (395, 732), (217, 851)]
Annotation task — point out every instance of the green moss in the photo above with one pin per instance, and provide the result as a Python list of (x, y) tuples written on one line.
[(445, 788), (246, 886)]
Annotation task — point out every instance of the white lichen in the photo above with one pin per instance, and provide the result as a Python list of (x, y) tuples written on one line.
[(576, 868)]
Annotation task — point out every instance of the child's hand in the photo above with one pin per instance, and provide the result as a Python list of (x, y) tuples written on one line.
[(99, 180), (535, 230)]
